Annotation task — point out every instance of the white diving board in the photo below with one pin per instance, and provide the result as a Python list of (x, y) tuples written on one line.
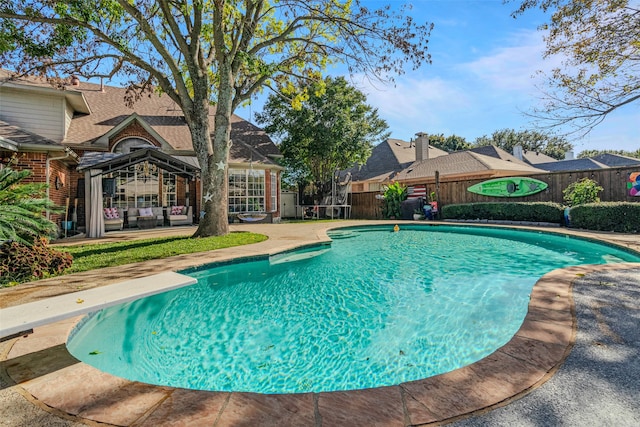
[(24, 317)]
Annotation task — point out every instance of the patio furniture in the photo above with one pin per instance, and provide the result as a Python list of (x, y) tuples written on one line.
[(180, 215), (113, 219), (134, 213), (146, 222)]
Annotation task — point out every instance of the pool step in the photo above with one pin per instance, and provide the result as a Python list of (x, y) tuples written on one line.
[(342, 235), (296, 256)]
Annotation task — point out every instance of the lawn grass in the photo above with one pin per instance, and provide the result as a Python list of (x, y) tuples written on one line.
[(100, 255)]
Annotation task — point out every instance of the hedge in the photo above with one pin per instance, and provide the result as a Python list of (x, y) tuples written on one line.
[(508, 211), (623, 217)]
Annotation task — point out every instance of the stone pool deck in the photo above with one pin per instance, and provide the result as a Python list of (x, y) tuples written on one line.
[(39, 369)]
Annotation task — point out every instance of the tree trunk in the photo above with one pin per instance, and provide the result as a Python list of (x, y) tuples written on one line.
[(213, 160)]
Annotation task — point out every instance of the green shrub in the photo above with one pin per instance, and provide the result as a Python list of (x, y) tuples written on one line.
[(508, 211), (21, 263), (580, 192), (394, 195), (622, 217)]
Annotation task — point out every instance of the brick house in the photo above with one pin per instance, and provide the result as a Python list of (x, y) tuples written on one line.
[(143, 154)]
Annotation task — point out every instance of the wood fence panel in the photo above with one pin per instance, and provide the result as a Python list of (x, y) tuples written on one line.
[(613, 181)]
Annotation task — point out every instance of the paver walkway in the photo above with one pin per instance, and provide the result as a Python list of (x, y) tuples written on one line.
[(48, 376)]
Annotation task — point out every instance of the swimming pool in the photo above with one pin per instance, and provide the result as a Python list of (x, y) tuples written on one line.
[(377, 308)]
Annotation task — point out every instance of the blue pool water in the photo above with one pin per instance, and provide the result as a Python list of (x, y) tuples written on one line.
[(375, 308)]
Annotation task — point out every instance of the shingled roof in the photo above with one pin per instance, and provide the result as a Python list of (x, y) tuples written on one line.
[(463, 164), (615, 160), (497, 152), (572, 165), (108, 109), (388, 158)]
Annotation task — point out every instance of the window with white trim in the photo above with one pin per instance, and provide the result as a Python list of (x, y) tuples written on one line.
[(246, 190), (274, 191)]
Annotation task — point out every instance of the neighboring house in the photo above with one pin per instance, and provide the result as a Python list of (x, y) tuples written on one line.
[(143, 153), (535, 158), (499, 153), (386, 160), (571, 165), (615, 160), (466, 164)]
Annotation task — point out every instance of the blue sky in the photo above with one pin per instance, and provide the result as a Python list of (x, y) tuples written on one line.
[(481, 79)]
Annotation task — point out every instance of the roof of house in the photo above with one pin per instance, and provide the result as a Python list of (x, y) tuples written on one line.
[(535, 158), (108, 109), (615, 160), (19, 136), (388, 158), (463, 163), (571, 165), (498, 153)]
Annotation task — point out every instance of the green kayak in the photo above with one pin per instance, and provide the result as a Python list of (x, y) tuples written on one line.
[(508, 187)]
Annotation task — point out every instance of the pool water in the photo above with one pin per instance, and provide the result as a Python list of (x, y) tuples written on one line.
[(375, 308)]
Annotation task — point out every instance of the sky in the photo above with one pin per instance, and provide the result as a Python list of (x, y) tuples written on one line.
[(482, 78)]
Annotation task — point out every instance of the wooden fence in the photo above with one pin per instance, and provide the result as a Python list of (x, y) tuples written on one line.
[(613, 181)]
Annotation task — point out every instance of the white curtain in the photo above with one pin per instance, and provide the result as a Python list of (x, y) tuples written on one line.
[(94, 216)]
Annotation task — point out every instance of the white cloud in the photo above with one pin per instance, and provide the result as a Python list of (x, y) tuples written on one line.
[(413, 104), (513, 67)]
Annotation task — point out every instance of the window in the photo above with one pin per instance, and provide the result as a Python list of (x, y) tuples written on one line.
[(124, 146), (169, 195), (274, 192), (246, 190)]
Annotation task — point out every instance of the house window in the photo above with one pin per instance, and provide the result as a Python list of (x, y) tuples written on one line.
[(274, 192), (246, 190), (127, 144), (169, 194)]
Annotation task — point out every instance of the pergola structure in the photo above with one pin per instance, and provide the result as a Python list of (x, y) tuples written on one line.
[(97, 165)]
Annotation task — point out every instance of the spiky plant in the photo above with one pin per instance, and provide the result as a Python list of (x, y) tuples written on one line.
[(23, 207)]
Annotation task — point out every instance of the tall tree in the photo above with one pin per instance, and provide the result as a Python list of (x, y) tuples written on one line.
[(449, 143), (600, 43), (331, 130), (214, 52), (551, 145)]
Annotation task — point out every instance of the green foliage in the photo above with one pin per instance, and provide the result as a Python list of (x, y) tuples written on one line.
[(394, 194), (621, 217), (580, 192), (332, 130), (510, 211), (599, 44), (449, 143), (202, 53), (507, 139), (24, 263), (22, 208)]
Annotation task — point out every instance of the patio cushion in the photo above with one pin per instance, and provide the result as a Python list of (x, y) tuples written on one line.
[(111, 213), (145, 212), (177, 210)]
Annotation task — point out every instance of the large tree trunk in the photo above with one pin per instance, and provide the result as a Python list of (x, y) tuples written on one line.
[(213, 163)]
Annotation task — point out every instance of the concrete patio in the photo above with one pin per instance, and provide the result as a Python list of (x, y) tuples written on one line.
[(43, 385)]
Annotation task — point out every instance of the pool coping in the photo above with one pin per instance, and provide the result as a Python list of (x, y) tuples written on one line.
[(53, 379)]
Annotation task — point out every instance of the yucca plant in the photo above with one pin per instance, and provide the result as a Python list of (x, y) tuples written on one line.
[(23, 207)]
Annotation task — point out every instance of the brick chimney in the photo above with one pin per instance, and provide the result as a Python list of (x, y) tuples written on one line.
[(422, 146)]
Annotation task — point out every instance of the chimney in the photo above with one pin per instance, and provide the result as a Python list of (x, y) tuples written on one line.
[(517, 152), (422, 146), (568, 155), (75, 81)]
